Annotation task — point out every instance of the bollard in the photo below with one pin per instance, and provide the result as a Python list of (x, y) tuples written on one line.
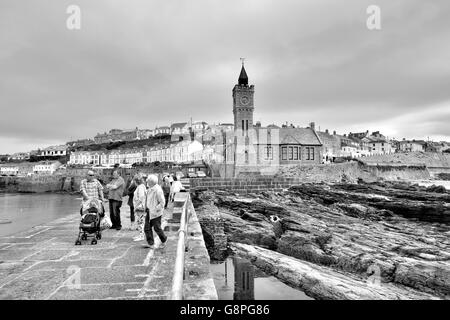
[(277, 228)]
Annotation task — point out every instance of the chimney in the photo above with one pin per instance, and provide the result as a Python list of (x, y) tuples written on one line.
[(258, 124), (312, 125), (334, 132), (326, 131)]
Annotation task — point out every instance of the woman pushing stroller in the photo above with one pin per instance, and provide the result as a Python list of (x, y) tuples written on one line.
[(91, 210), (91, 189)]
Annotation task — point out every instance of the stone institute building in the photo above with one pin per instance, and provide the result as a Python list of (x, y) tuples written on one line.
[(254, 149)]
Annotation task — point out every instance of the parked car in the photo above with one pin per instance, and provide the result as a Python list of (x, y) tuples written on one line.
[(201, 174)]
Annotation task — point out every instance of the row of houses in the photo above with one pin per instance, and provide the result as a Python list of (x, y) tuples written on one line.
[(354, 145), (421, 146), (180, 152), (363, 144), (28, 168)]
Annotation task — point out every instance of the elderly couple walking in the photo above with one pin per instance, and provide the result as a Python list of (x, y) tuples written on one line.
[(148, 208)]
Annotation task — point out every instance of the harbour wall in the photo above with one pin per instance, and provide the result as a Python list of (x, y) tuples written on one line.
[(69, 180)]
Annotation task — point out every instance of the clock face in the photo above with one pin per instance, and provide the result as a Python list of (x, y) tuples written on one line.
[(245, 100)]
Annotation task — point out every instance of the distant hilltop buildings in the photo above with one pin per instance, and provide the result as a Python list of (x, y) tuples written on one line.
[(177, 131)]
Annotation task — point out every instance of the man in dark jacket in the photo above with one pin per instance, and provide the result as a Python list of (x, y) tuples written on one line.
[(129, 191)]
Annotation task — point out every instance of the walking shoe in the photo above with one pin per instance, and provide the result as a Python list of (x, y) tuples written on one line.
[(138, 238), (163, 245), (149, 246)]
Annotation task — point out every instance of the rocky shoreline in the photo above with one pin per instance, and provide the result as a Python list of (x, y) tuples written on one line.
[(394, 234)]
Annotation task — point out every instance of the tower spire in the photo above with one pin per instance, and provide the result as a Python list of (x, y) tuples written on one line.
[(243, 78)]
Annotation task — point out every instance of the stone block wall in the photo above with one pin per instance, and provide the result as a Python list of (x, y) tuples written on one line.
[(241, 185), (213, 231)]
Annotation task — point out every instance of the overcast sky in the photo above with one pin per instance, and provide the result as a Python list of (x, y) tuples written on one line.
[(145, 63)]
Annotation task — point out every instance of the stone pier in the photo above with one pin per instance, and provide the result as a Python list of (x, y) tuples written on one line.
[(44, 263)]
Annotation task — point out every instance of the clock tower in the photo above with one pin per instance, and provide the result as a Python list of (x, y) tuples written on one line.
[(243, 103)]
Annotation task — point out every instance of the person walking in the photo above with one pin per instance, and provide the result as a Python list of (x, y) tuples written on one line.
[(129, 191), (154, 208), (176, 187), (166, 190), (115, 192), (139, 203)]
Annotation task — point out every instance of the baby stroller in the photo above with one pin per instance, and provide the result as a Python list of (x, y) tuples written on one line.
[(90, 222)]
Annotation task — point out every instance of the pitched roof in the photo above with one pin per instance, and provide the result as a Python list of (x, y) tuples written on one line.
[(178, 125), (421, 142), (56, 148), (376, 139), (304, 136)]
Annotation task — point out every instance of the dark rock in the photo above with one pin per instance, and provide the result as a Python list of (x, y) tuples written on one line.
[(391, 230)]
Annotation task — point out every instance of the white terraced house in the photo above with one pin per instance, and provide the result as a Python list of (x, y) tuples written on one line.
[(46, 167), (54, 151), (183, 151), (9, 170)]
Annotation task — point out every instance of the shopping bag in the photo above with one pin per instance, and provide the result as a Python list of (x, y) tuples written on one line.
[(105, 223)]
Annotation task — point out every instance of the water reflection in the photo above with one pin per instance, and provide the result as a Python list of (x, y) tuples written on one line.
[(244, 284), (237, 279)]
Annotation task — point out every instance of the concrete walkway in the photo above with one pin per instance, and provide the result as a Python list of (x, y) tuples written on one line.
[(44, 263)]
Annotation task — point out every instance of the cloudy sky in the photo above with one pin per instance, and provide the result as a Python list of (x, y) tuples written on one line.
[(145, 63)]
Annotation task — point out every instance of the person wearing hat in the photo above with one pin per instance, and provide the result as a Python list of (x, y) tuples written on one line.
[(91, 189)]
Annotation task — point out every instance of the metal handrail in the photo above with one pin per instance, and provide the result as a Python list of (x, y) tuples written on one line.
[(178, 277)]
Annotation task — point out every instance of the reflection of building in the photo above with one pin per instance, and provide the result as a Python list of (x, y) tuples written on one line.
[(244, 283)]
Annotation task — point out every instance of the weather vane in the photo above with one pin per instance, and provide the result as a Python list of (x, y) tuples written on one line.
[(242, 60)]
